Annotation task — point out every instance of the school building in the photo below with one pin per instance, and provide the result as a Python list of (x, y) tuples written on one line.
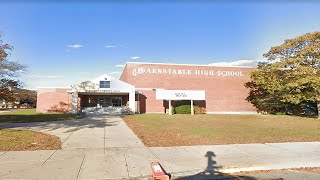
[(154, 88)]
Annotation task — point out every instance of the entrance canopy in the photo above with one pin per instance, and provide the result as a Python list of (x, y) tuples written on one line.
[(103, 91), (162, 94)]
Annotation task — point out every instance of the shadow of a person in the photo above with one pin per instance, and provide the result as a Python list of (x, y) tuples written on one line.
[(212, 172), (211, 168)]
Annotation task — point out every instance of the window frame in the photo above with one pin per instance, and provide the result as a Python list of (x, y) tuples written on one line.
[(104, 84)]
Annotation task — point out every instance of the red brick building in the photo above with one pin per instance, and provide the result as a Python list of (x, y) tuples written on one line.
[(221, 89)]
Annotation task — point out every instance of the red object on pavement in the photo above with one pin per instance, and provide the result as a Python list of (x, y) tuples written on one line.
[(158, 173)]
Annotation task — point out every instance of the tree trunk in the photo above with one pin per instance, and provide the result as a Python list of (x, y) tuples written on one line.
[(318, 106)]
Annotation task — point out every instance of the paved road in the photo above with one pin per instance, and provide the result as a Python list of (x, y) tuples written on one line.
[(104, 147)]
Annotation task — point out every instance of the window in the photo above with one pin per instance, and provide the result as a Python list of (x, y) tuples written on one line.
[(104, 84)]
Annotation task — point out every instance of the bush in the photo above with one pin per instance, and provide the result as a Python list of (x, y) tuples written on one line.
[(62, 107), (199, 110), (186, 109), (183, 109)]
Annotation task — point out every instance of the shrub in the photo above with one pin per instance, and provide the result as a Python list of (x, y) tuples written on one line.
[(199, 110), (182, 102), (183, 109), (61, 108)]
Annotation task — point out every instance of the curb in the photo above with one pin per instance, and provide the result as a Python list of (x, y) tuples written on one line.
[(232, 170)]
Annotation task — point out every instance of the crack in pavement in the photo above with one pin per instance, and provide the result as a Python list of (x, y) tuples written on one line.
[(75, 129), (125, 158), (104, 137), (49, 157), (84, 156), (3, 153)]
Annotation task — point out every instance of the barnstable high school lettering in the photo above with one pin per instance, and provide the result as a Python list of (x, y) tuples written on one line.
[(141, 70)]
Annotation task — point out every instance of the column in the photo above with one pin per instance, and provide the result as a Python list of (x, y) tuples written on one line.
[(74, 103), (170, 108), (132, 101), (192, 109)]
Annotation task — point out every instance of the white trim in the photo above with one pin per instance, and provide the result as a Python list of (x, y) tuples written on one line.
[(205, 65), (102, 93), (232, 112), (162, 94), (147, 89), (54, 88), (110, 78), (150, 89)]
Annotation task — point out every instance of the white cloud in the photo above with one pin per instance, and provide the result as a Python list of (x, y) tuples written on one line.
[(120, 65), (135, 57), (75, 46), (114, 72), (43, 76), (246, 63), (111, 46)]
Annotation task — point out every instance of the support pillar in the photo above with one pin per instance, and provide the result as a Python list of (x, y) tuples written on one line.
[(132, 101), (74, 103), (170, 108), (192, 108)]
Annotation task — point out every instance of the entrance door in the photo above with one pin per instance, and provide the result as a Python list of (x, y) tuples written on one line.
[(105, 101), (116, 101)]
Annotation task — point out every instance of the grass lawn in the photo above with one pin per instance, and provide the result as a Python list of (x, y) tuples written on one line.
[(184, 130), (19, 140), (30, 115)]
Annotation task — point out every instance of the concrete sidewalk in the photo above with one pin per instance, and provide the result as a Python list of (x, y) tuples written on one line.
[(105, 148), (192, 160), (96, 147)]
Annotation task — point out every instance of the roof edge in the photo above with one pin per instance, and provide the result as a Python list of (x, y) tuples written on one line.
[(53, 87)]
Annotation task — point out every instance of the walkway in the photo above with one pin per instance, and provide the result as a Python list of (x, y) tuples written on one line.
[(93, 148), (103, 147)]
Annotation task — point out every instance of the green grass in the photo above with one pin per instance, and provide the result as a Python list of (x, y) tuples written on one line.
[(165, 130), (205, 132), (21, 112), (30, 115)]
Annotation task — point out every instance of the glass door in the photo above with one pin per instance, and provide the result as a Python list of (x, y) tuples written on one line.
[(105, 101), (101, 101), (116, 101), (108, 102)]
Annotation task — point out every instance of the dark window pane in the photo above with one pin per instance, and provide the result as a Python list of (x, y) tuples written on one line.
[(104, 84)]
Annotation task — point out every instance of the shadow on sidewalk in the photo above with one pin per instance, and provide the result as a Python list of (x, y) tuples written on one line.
[(212, 172)]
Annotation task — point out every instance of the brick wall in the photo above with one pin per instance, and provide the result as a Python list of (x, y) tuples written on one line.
[(224, 93), (53, 100)]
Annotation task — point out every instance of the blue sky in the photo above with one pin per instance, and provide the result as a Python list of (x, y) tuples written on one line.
[(66, 43)]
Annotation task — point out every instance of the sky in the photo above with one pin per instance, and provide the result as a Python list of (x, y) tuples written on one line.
[(67, 43)]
